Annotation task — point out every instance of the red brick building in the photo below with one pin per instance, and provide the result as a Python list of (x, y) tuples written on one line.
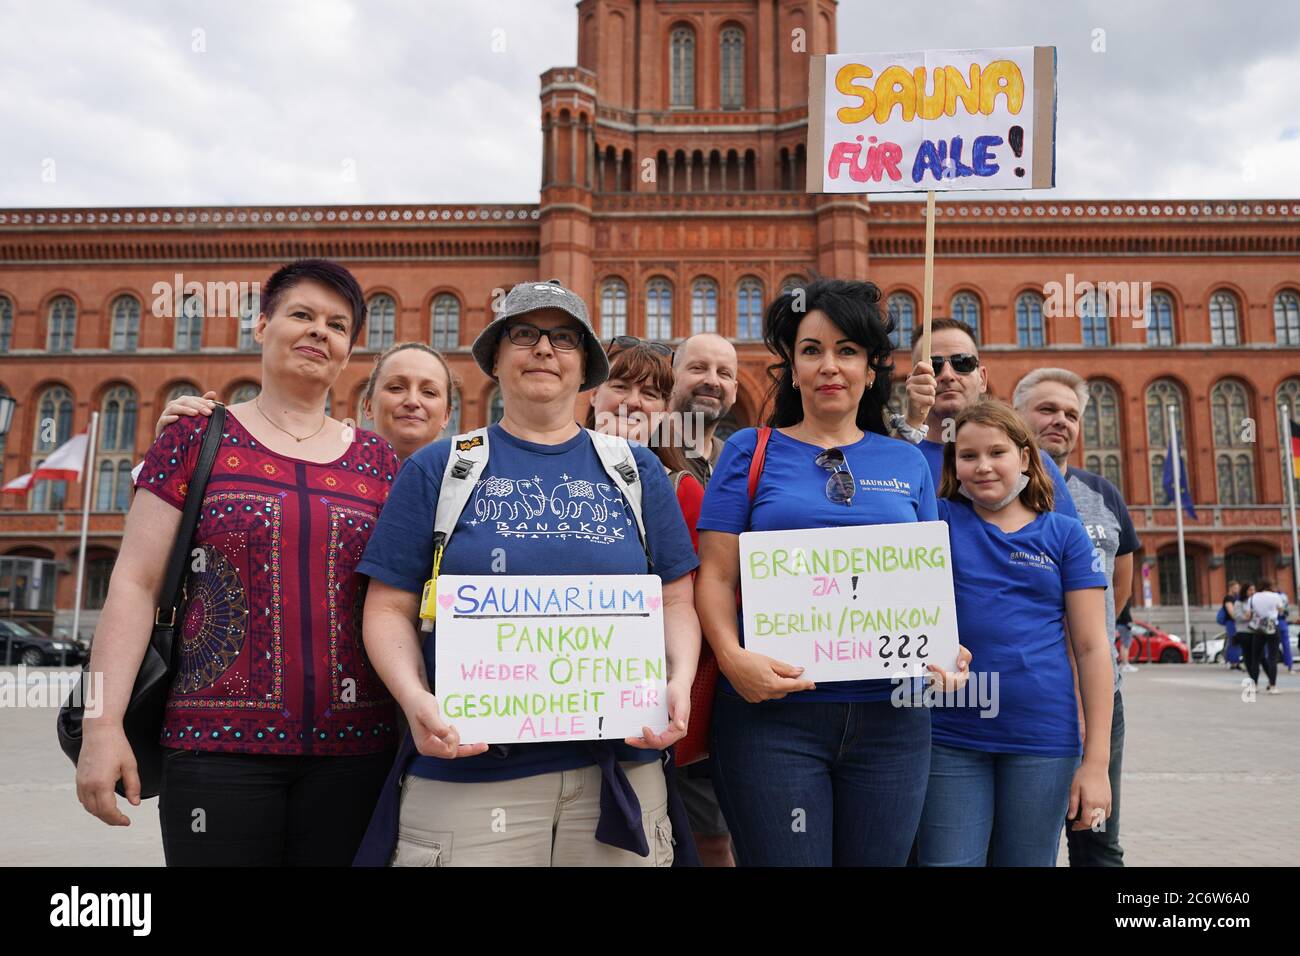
[(672, 172)]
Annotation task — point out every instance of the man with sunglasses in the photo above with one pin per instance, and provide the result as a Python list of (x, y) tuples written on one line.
[(939, 391)]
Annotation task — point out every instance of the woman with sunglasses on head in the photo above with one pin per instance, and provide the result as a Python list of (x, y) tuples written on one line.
[(543, 504), (408, 397), (1026, 580), (855, 765)]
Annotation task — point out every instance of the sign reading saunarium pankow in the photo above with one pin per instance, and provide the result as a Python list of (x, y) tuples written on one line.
[(524, 658), (932, 120), (867, 601)]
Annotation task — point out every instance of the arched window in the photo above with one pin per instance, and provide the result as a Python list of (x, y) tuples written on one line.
[(1288, 396), (446, 321), (966, 308), (1223, 319), (682, 68), (1104, 455), (381, 317), (63, 325), (1286, 318), (53, 428), (496, 407), (1029, 321), (704, 306), (1234, 457), (244, 392), (790, 283), (1171, 588), (733, 68), (1094, 324), (749, 309), (453, 423), (1243, 566), (126, 324), (902, 310), (117, 422), (1160, 395), (613, 308), (6, 324), (118, 414), (249, 311), (1160, 319), (658, 309), (178, 391), (189, 324)]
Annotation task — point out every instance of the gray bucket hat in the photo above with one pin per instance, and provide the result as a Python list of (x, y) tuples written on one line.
[(529, 297)]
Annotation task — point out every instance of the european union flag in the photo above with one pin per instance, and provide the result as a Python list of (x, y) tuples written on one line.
[(1182, 481)]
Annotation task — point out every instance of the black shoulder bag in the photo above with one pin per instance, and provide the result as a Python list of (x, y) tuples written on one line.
[(143, 719)]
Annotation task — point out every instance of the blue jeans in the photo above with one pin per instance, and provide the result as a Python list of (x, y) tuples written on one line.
[(820, 784), (1090, 847), (993, 809)]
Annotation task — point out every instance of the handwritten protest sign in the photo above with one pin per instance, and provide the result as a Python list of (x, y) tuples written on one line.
[(932, 120), (871, 601), (522, 658)]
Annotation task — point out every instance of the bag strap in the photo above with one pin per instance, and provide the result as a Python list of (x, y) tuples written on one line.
[(760, 458), (169, 597), (619, 464), (468, 458)]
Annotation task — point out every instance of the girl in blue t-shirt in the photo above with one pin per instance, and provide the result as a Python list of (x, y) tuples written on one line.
[(1004, 766), (833, 773)]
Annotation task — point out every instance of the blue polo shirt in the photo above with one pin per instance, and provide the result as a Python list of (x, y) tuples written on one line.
[(892, 484), (1010, 591)]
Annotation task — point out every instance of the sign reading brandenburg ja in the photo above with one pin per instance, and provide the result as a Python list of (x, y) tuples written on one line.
[(867, 601)]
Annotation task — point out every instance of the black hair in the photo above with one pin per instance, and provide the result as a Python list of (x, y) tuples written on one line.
[(329, 274), (854, 309)]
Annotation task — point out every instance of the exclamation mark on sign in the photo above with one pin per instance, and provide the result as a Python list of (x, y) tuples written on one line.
[(1016, 137), (855, 587), (600, 726)]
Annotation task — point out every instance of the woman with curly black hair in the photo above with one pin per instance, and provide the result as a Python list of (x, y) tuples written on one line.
[(829, 774)]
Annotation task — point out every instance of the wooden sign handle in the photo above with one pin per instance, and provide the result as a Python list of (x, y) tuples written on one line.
[(928, 294)]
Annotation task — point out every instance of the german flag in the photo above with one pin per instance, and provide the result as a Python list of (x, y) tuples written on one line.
[(1295, 448)]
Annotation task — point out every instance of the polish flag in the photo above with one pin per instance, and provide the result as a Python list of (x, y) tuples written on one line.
[(19, 486), (65, 464)]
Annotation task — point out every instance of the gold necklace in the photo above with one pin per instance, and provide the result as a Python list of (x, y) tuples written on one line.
[(258, 403)]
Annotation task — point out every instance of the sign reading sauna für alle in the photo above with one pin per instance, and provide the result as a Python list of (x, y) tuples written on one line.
[(851, 603), (524, 658), (932, 120)]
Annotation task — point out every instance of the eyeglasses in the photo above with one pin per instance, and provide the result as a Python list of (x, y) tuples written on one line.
[(963, 363), (631, 341), (840, 485), (565, 337)]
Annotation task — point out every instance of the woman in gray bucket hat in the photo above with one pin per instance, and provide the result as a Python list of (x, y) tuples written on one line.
[(544, 504)]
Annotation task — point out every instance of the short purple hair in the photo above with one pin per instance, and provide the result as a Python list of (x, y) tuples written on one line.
[(329, 274)]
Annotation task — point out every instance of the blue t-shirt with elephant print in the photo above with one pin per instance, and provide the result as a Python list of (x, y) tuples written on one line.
[(537, 509)]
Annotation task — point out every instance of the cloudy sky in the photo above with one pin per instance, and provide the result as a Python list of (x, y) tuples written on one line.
[(157, 102)]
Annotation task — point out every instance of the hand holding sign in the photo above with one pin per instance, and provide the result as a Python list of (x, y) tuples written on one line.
[(679, 714), (433, 736), (757, 677)]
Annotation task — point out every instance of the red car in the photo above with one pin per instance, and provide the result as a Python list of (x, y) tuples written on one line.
[(1150, 644)]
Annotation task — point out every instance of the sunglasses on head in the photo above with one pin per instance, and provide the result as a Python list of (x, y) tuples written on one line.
[(565, 337), (631, 341), (839, 486), (963, 363)]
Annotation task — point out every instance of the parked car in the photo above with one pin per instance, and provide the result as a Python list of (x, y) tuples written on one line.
[(22, 644), (1151, 645)]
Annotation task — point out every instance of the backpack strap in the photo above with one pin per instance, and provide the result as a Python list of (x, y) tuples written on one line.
[(468, 458), (616, 458)]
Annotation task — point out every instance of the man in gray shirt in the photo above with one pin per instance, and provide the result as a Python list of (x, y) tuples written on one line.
[(1052, 401)]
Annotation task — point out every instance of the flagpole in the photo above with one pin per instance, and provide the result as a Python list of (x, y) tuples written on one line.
[(1178, 512), (87, 479), (1290, 494)]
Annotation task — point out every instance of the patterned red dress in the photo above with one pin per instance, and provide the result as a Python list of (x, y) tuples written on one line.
[(271, 659)]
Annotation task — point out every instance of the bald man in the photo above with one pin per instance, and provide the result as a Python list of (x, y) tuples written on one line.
[(704, 384)]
